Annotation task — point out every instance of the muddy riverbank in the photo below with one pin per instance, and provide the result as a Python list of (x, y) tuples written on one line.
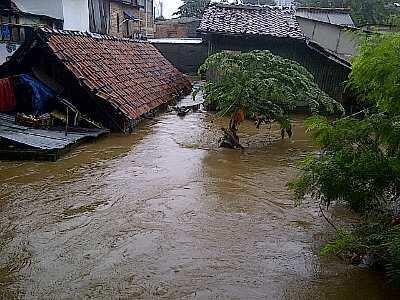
[(164, 213)]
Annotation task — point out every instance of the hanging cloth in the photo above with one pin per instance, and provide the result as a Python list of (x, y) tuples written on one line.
[(41, 94), (7, 96)]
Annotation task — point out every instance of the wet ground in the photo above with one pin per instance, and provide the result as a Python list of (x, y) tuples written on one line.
[(163, 213)]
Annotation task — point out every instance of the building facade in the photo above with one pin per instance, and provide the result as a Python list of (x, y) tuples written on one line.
[(121, 18), (131, 18), (17, 23)]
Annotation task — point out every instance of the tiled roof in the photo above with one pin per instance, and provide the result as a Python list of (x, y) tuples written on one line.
[(132, 76), (250, 20)]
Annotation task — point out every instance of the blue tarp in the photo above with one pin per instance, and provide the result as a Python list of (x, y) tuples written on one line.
[(5, 32), (130, 16), (41, 94)]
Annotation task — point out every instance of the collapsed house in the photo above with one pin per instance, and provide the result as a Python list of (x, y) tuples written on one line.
[(115, 81), (82, 79), (253, 27)]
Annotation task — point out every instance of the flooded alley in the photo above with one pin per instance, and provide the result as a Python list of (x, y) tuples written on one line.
[(163, 213)]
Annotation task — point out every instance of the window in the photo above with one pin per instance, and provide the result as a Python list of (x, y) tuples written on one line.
[(117, 22)]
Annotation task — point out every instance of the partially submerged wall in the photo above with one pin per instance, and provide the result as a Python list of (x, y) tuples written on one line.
[(186, 57), (329, 74)]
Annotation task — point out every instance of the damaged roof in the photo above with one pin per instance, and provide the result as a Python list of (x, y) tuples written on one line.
[(131, 75), (250, 20)]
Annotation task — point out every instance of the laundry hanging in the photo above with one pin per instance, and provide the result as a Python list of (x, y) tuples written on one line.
[(7, 96)]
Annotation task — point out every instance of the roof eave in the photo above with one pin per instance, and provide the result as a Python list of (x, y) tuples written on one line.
[(328, 23), (328, 54), (205, 32)]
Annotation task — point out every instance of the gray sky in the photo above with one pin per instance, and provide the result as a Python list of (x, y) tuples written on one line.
[(170, 6)]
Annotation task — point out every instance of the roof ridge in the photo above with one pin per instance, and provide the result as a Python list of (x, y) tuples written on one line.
[(48, 30), (251, 20), (249, 6), (333, 9)]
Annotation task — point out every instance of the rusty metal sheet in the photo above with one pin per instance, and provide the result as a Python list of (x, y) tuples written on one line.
[(39, 138)]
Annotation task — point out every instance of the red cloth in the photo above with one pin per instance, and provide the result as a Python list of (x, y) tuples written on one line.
[(7, 96)]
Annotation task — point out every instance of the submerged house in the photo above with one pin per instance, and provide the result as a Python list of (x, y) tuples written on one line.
[(252, 27), (114, 81)]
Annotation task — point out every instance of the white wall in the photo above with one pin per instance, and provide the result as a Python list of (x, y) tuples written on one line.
[(337, 39), (76, 15)]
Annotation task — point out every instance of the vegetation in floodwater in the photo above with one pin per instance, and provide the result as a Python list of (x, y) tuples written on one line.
[(263, 85), (359, 161)]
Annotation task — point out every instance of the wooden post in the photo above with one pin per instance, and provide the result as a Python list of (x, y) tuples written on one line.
[(66, 123)]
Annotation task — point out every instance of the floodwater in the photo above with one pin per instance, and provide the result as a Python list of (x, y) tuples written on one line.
[(164, 214)]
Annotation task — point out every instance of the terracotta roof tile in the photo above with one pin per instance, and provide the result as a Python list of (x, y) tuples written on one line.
[(250, 20), (131, 75)]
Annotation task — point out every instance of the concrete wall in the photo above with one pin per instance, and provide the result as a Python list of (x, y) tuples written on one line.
[(187, 58), (76, 15), (338, 39)]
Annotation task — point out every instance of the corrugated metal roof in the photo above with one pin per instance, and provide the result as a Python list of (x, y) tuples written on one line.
[(42, 139), (332, 16), (176, 41)]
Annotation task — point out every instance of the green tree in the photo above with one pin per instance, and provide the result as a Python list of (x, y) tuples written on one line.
[(359, 161), (261, 83), (192, 8)]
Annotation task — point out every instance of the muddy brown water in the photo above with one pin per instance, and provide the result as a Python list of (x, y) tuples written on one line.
[(163, 213)]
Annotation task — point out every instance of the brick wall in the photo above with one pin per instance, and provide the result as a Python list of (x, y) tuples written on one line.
[(176, 29), (131, 29)]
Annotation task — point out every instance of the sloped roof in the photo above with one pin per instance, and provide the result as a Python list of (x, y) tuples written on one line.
[(250, 20), (335, 16), (131, 75), (14, 7)]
